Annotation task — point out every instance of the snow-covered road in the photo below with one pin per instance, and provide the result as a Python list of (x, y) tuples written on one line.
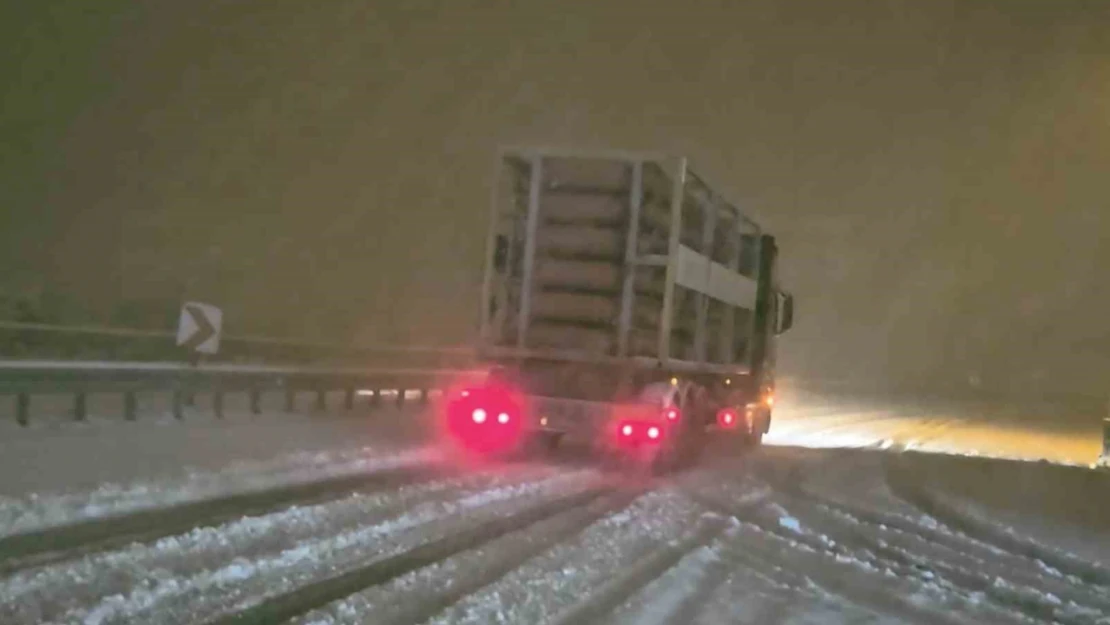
[(1067, 430), (785, 534)]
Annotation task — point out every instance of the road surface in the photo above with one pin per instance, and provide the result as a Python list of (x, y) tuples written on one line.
[(389, 530), (1066, 430)]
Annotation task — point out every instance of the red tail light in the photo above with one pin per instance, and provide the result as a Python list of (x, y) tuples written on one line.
[(726, 418), (638, 432), (672, 414), (485, 418)]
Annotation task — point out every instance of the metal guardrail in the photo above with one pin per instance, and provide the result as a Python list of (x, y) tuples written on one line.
[(41, 340), (26, 379)]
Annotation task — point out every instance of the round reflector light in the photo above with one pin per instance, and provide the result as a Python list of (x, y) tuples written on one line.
[(503, 418), (653, 432), (478, 415), (626, 430)]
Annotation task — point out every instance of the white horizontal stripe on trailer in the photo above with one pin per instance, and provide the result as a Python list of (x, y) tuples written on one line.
[(698, 273)]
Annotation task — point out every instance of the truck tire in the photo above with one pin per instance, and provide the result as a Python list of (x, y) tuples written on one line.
[(754, 438)]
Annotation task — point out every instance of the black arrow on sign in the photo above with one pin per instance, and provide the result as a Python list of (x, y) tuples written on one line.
[(205, 329)]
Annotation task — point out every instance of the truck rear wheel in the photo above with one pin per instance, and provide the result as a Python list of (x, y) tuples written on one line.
[(754, 437)]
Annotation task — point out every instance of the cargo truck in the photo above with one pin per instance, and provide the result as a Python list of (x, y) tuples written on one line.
[(626, 304)]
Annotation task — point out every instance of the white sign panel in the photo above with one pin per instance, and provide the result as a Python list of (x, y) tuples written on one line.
[(698, 273), (198, 328)]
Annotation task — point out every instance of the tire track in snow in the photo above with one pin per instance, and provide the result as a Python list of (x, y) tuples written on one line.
[(921, 497), (37, 512), (1018, 590), (790, 597), (536, 591), (854, 576), (1015, 581), (597, 605), (51, 590), (758, 589), (210, 569), (690, 582), (724, 582), (22, 551), (913, 520), (297, 601), (424, 594)]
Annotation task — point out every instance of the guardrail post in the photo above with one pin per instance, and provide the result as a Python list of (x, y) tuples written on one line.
[(349, 399), (178, 405), (400, 397), (423, 396), (1106, 438), (376, 397), (218, 403), (290, 399), (129, 405), (256, 401), (321, 399), (22, 408), (80, 406)]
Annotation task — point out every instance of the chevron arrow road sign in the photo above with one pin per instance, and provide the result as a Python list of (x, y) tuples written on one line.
[(198, 328)]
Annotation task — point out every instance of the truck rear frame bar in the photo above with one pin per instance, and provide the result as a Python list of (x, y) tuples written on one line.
[(711, 249)]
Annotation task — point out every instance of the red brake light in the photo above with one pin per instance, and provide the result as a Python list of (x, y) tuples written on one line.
[(485, 418), (640, 432), (673, 414), (726, 418)]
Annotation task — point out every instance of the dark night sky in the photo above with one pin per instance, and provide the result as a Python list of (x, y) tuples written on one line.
[(938, 171)]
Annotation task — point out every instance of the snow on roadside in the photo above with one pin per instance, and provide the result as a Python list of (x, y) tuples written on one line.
[(37, 511), (1057, 433), (280, 553)]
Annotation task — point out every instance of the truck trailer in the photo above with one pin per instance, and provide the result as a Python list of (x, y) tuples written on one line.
[(626, 305)]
